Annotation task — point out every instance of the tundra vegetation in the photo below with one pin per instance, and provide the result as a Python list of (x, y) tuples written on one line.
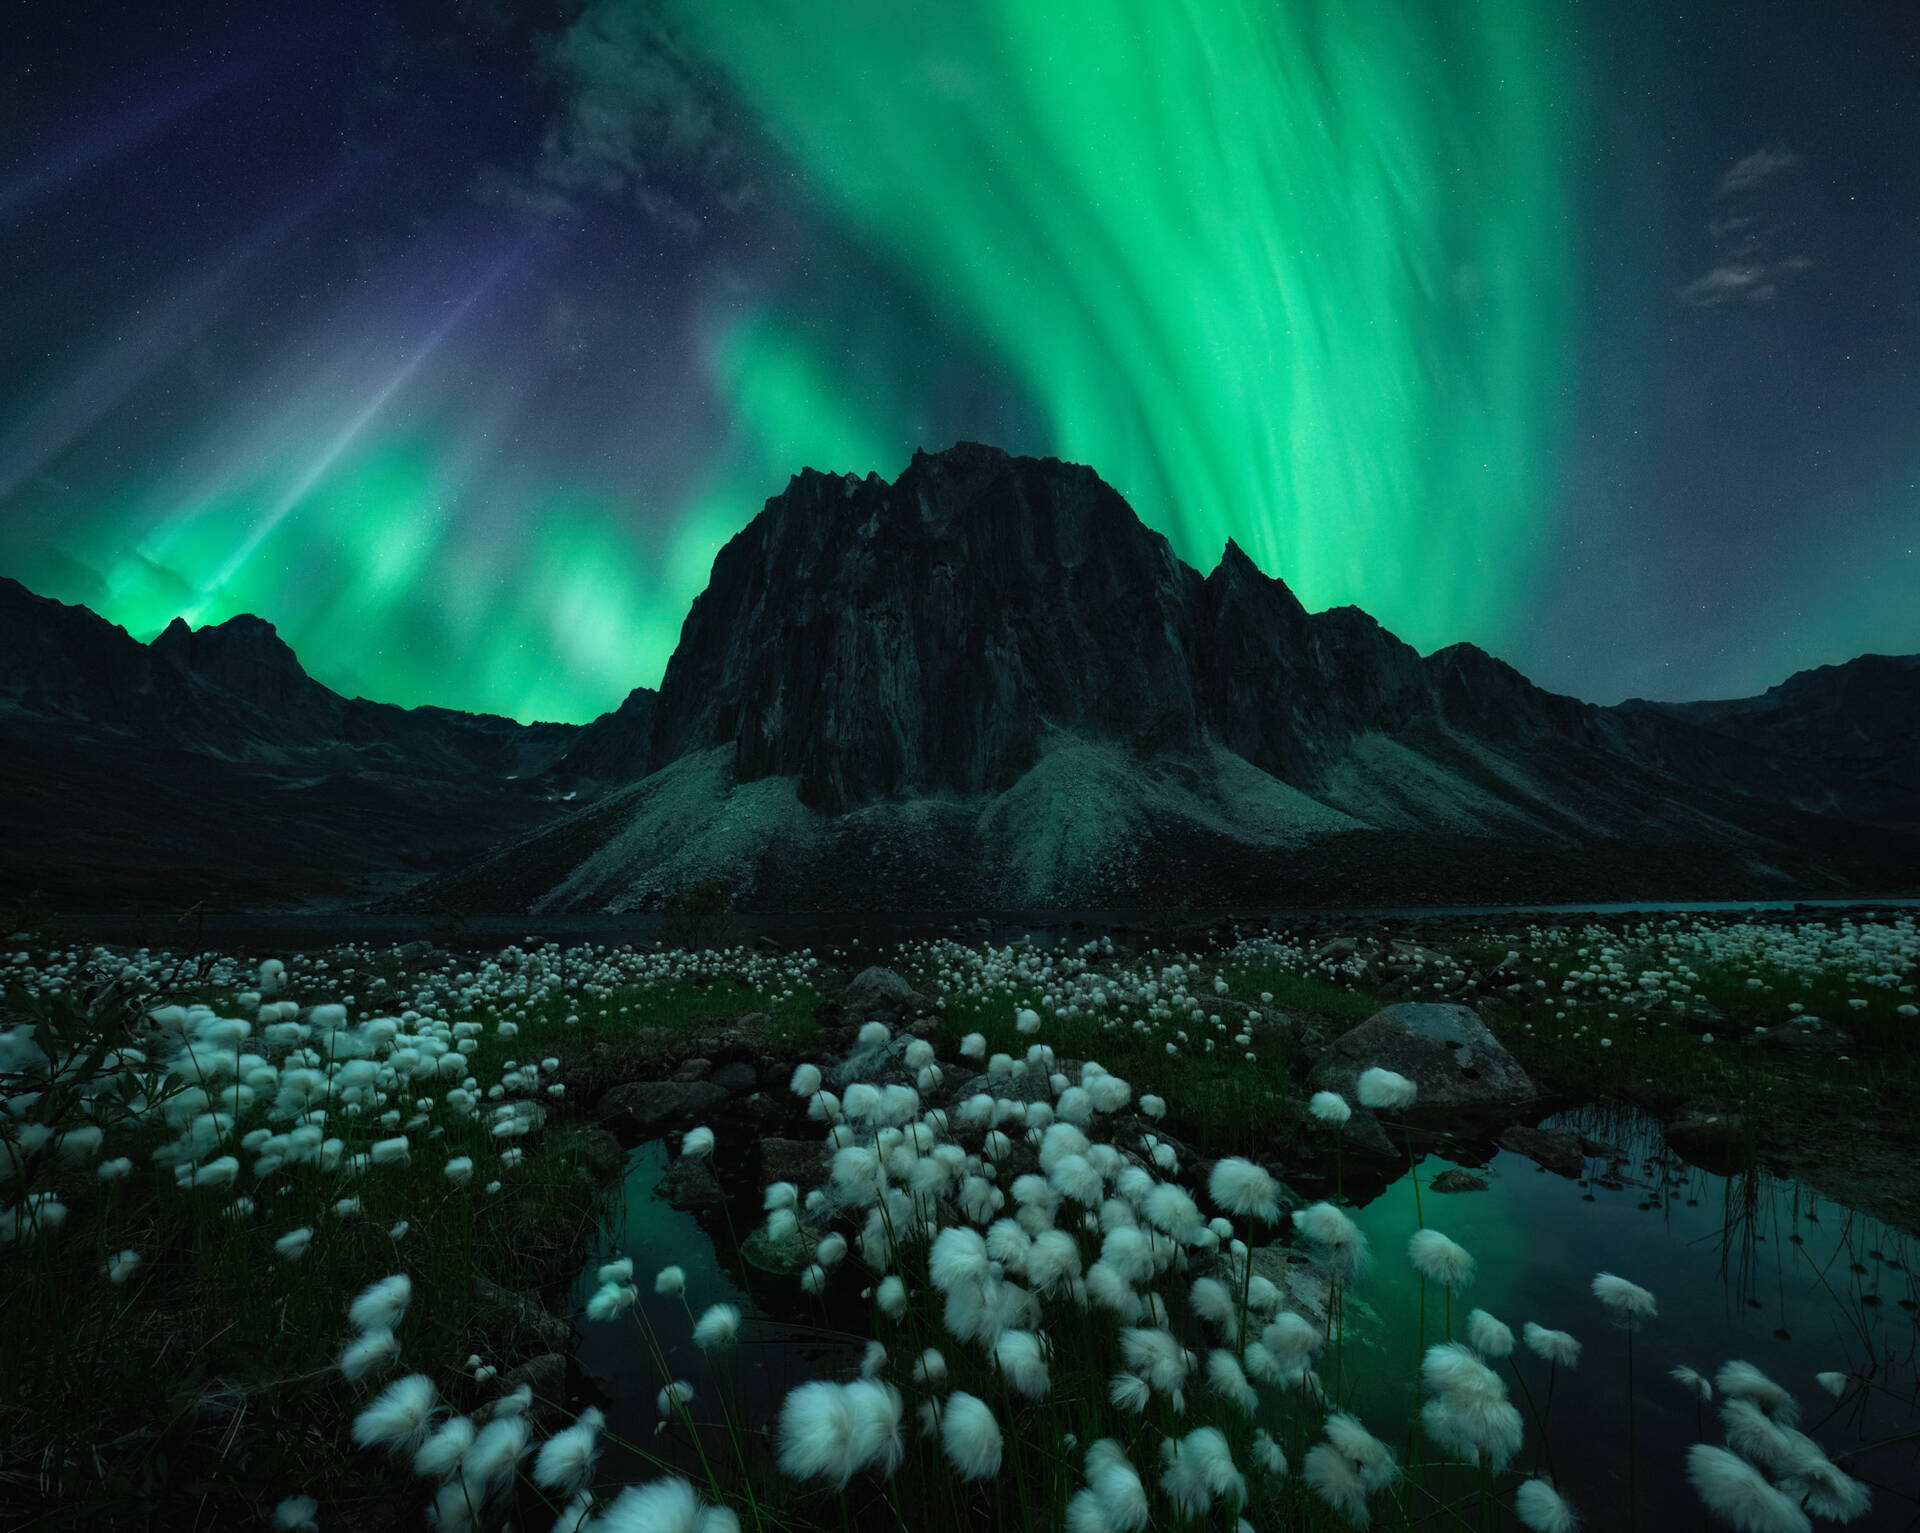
[(279, 1236)]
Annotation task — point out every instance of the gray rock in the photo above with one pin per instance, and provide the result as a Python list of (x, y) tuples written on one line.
[(603, 1154), (880, 993), (693, 1070), (1445, 1050), (1453, 1179), (647, 1108), (690, 1184), (737, 1077), (414, 950), (526, 1311), (1559, 1152), (800, 1161)]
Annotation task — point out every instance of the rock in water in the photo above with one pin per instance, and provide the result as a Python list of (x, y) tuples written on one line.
[(1444, 1050)]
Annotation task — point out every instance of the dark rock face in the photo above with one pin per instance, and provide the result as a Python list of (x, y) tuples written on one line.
[(1446, 1051), (613, 748), (876, 640)]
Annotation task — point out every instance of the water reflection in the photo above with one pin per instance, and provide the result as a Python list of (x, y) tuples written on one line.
[(1752, 1267)]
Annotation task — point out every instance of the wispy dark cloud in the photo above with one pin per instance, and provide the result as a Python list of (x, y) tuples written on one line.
[(1753, 171), (1747, 264)]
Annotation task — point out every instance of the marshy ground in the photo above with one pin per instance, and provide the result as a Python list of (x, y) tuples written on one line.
[(173, 1351)]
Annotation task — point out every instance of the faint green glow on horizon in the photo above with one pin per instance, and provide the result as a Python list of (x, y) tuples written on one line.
[(1297, 274)]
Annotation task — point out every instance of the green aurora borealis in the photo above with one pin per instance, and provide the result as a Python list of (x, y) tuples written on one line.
[(1308, 275)]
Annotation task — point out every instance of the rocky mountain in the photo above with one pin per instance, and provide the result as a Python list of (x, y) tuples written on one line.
[(1862, 717), (209, 763), (987, 684)]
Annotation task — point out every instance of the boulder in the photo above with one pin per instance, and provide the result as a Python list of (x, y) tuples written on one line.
[(878, 992), (693, 1070), (546, 1376), (800, 1161), (1445, 1050), (690, 1184), (737, 1078), (1453, 1179), (644, 1109)]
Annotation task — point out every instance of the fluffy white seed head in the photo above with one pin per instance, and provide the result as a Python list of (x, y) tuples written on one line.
[(1560, 1348), (1384, 1090), (971, 1436)]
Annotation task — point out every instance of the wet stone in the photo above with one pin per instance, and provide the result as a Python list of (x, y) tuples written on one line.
[(1453, 1179)]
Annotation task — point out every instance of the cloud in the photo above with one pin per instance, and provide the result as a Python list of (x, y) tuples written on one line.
[(1753, 171), (640, 116), (1746, 265)]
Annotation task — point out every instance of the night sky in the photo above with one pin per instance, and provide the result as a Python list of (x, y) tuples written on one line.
[(455, 338)]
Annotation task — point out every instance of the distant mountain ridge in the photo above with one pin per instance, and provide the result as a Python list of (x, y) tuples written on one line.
[(985, 684), (210, 763), (1862, 716)]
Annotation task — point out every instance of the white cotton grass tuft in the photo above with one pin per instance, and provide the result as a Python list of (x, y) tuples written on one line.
[(1115, 1500), (1743, 1381), (1629, 1302), (565, 1461), (1543, 1509), (372, 1352), (831, 1431), (670, 1280), (398, 1418), (668, 1505), (1372, 1460), (1330, 1108), (1129, 1392), (381, 1306), (1488, 1336), (971, 1436), (697, 1143), (806, 1080), (1229, 1380), (619, 1270), (122, 1265), (1200, 1471), (1439, 1259), (716, 1327), (1336, 1482), (439, 1454), (612, 1300), (1834, 1384), (891, 1296), (1022, 1357), (1384, 1090), (297, 1514), (486, 1468), (1341, 1245), (1737, 1493), (1693, 1382), (1244, 1188), (1268, 1455), (1561, 1348)]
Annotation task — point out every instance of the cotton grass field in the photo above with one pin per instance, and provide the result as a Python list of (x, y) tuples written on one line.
[(279, 1235)]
